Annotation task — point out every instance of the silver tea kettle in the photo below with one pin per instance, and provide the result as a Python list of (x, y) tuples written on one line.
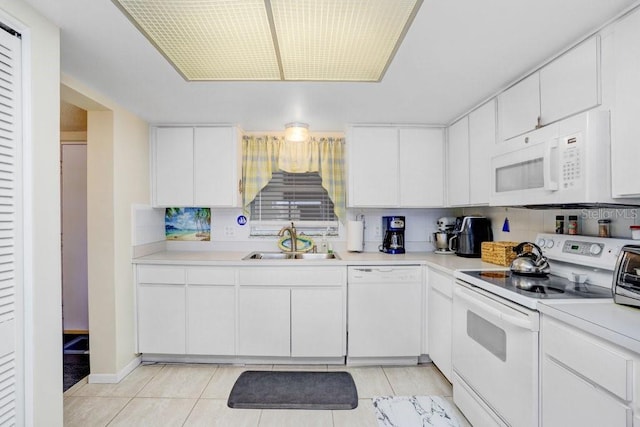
[(530, 263)]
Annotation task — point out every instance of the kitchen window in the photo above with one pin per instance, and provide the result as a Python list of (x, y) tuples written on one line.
[(286, 181), (297, 197)]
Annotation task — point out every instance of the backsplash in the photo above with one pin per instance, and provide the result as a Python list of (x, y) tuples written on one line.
[(524, 225)]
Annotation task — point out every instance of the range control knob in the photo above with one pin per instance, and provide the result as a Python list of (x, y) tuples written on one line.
[(540, 242), (549, 244), (595, 249)]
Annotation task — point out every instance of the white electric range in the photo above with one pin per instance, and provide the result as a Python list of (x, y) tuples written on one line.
[(496, 325)]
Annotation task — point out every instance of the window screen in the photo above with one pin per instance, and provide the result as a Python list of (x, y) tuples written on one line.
[(297, 197)]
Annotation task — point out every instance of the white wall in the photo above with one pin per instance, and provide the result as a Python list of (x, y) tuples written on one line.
[(43, 368), (117, 178)]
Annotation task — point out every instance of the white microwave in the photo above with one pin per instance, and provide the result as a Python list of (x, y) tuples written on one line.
[(567, 162)]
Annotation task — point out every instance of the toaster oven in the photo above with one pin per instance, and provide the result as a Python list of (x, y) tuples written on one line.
[(626, 277)]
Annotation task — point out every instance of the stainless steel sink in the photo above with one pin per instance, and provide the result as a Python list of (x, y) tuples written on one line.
[(269, 255), (317, 256), (290, 255)]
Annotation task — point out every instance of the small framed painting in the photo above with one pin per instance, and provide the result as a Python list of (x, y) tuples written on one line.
[(192, 224)]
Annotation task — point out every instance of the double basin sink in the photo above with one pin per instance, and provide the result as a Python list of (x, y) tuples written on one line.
[(290, 255)]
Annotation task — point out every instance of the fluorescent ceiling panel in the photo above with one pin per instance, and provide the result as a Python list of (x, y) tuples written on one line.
[(315, 40)]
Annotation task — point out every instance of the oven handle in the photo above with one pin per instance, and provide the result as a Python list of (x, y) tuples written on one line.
[(512, 320)]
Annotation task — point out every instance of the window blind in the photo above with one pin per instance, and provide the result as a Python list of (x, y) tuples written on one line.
[(297, 197)]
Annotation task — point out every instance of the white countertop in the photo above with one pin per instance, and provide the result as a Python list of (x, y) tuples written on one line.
[(616, 323), (445, 263)]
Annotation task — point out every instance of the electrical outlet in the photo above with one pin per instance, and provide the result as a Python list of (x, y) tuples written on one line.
[(377, 229), (229, 231)]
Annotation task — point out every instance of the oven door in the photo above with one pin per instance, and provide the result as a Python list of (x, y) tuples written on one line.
[(495, 353), (526, 175)]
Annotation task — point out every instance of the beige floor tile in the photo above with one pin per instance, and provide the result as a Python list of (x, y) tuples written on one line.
[(370, 380), (153, 412), (225, 376), (180, 381), (128, 387), (463, 421), (362, 416), (295, 418), (216, 413), (91, 411), (74, 388), (422, 380), (316, 368)]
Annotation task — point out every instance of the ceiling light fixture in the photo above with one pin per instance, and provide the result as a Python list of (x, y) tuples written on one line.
[(303, 40), (296, 132)]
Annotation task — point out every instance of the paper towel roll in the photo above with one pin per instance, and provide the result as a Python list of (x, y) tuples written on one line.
[(355, 236)]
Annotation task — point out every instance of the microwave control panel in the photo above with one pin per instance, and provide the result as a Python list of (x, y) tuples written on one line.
[(570, 161)]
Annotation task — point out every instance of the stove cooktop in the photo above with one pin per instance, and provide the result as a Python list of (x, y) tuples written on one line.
[(527, 290)]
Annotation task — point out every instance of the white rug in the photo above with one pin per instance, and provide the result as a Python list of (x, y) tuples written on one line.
[(414, 411)]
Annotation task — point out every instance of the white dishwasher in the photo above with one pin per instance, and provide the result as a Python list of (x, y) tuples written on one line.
[(384, 304)]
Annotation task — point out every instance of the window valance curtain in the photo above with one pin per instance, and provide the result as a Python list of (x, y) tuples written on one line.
[(264, 154)]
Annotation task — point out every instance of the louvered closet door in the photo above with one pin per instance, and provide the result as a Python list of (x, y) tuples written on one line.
[(11, 313)]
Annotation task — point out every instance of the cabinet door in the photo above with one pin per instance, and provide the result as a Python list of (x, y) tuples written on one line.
[(625, 126), (569, 84), (482, 142), (458, 163), (318, 326), (373, 166), (161, 319), (439, 314), (421, 167), (216, 166), (568, 400), (519, 107), (173, 166), (384, 319), (211, 320), (263, 322)]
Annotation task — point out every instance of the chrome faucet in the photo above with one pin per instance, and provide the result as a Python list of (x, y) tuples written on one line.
[(292, 234)]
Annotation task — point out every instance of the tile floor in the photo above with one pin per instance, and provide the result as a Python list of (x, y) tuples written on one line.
[(196, 395)]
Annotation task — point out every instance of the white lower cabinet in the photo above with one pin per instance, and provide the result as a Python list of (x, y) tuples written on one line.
[(440, 315), (292, 312), (585, 380), (186, 310), (317, 322), (264, 321), (161, 309), (161, 318)]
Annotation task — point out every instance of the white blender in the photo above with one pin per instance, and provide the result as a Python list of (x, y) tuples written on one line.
[(441, 238)]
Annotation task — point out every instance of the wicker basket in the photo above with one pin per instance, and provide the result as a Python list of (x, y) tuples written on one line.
[(500, 253)]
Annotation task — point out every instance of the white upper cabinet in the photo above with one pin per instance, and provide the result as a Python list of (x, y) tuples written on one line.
[(458, 162), (216, 167), (520, 107), (421, 167), (373, 166), (625, 123), (195, 166), (564, 87), (570, 84), (391, 166), (482, 141), (173, 167)]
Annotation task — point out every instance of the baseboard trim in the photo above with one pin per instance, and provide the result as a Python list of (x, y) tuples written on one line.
[(117, 377)]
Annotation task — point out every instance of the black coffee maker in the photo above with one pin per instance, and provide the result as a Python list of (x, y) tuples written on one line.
[(393, 242)]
